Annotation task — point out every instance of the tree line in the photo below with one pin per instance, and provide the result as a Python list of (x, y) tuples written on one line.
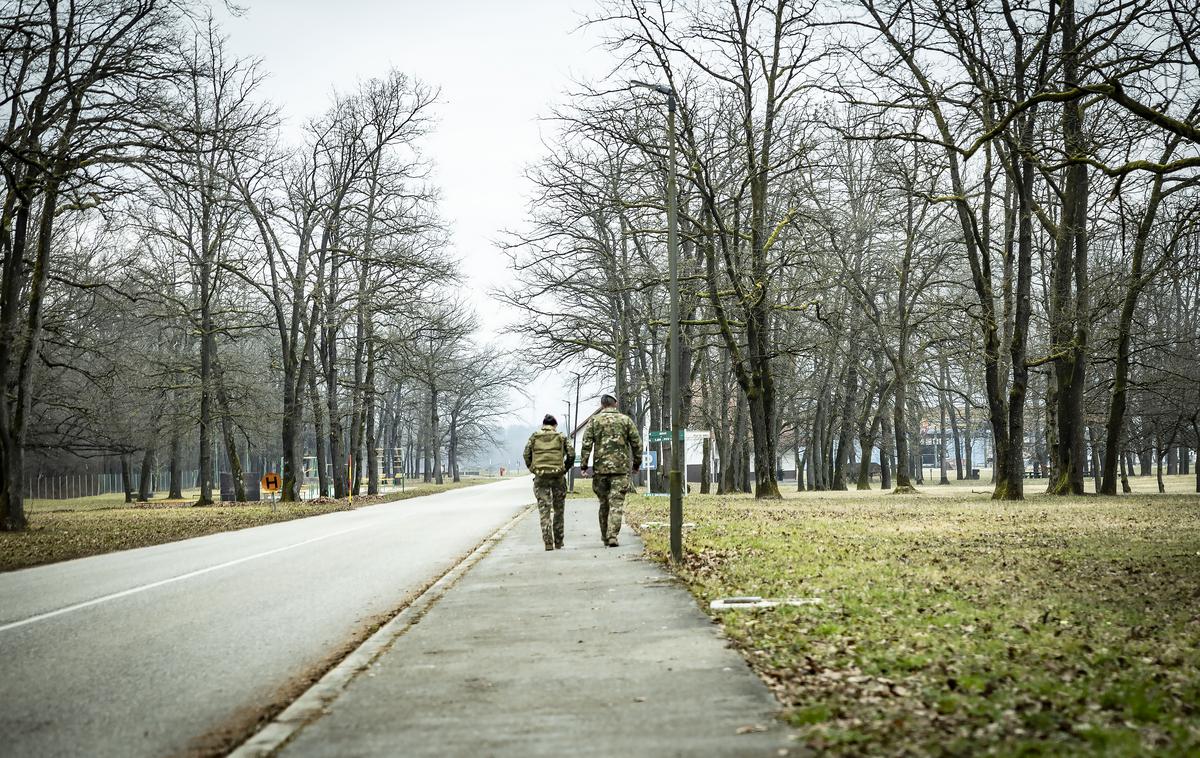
[(900, 222), (185, 279)]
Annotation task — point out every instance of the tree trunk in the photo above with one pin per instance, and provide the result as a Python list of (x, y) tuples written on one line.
[(845, 436), (126, 477), (949, 404), (207, 340), (731, 474), (289, 432), (1125, 488), (1009, 441), (319, 436), (426, 449), (27, 329), (1163, 451), (1050, 409), (816, 460), (1117, 404), (1162, 488), (435, 435), (916, 458), (372, 432), (801, 469), (745, 445), (827, 442), (968, 440), (235, 462), (886, 440), (1069, 315), (942, 440), (904, 483), (146, 477), (452, 449), (810, 465), (337, 454), (723, 439), (866, 443), (175, 465), (358, 421)]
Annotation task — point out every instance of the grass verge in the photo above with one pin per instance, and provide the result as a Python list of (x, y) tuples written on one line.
[(954, 625), (65, 529)]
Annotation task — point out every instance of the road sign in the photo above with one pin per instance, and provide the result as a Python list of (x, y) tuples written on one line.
[(650, 460), (691, 434), (270, 482)]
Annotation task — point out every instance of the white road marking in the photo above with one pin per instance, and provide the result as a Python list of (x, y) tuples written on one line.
[(160, 583)]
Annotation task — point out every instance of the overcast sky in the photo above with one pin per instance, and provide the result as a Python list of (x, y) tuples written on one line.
[(501, 67)]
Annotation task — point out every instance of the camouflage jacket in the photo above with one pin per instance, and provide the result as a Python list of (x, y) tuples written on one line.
[(617, 442), (569, 458)]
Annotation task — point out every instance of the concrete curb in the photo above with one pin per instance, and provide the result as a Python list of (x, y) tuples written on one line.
[(316, 699)]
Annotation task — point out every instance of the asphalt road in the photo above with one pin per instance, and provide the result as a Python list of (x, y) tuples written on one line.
[(158, 651)]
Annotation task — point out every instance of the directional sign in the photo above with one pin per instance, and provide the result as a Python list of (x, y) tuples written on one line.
[(271, 482), (650, 460), (691, 434)]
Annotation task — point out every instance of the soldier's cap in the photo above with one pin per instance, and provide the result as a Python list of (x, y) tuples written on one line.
[(608, 401)]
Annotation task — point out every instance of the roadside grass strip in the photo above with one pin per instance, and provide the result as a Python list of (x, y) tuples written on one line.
[(955, 625), (61, 530)]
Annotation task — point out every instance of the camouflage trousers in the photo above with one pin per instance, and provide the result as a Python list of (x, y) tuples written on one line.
[(610, 489), (551, 494)]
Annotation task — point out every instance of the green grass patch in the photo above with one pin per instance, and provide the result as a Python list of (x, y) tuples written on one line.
[(61, 530), (955, 625)]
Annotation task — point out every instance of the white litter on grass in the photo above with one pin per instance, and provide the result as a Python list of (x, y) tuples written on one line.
[(754, 601), (664, 525)]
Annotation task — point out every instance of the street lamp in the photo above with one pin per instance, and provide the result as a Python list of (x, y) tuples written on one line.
[(676, 478)]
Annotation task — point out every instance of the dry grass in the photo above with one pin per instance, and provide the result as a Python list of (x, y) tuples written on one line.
[(61, 530), (955, 625)]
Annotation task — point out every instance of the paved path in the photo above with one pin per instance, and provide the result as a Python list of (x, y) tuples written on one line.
[(158, 650), (583, 651)]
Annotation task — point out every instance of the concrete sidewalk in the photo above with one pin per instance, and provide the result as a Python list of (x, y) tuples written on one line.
[(582, 651)]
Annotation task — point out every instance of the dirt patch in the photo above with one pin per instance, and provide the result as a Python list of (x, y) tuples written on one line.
[(248, 720)]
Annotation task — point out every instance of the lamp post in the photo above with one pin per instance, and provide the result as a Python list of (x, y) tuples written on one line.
[(677, 442), (574, 425)]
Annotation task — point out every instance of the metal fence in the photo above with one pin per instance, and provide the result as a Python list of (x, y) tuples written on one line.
[(68, 486)]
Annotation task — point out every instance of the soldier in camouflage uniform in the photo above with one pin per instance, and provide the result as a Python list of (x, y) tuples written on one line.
[(549, 477), (618, 445)]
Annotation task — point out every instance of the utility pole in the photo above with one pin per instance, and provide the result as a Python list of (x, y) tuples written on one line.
[(567, 421), (677, 441), (574, 427)]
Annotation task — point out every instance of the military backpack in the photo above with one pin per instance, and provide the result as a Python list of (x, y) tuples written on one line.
[(549, 454)]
